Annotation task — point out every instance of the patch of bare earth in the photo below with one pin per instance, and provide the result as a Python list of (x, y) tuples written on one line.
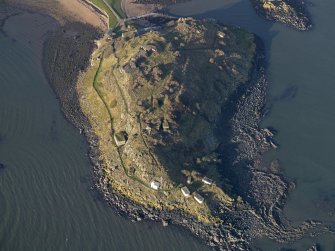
[(66, 11)]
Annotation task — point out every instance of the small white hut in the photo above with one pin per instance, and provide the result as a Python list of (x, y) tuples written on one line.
[(185, 191), (198, 198), (119, 138), (155, 185), (207, 181)]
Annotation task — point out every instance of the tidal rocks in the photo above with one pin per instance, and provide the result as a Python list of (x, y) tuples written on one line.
[(66, 54)]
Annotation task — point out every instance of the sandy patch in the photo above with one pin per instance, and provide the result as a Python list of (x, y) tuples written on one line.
[(66, 10), (82, 10)]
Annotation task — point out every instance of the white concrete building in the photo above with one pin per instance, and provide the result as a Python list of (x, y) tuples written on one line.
[(185, 192), (198, 198), (120, 139), (221, 34), (207, 181), (155, 185)]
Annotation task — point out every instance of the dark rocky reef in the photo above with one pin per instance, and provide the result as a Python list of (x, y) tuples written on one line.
[(66, 53)]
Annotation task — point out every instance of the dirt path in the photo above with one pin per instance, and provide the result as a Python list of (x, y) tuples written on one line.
[(126, 172)]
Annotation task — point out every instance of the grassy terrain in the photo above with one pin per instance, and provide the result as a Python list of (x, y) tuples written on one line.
[(116, 5), (166, 90), (103, 98), (111, 16)]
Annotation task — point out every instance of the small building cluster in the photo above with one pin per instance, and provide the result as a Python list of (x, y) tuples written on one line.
[(184, 190)]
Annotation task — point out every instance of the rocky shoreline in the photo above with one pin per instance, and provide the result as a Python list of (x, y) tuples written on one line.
[(243, 222)]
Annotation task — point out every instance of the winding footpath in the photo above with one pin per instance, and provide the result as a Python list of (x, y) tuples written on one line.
[(133, 177)]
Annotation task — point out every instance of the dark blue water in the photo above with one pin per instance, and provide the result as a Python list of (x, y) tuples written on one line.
[(45, 198), (301, 93)]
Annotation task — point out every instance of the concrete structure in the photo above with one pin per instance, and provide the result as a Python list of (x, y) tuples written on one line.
[(185, 192), (165, 223), (198, 198), (165, 125), (207, 181), (119, 138), (220, 34), (155, 185)]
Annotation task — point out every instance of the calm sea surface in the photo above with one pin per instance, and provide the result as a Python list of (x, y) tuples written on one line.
[(45, 198), (301, 72)]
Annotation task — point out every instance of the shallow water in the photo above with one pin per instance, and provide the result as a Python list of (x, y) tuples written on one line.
[(45, 198), (301, 94)]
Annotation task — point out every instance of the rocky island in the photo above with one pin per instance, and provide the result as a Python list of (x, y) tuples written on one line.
[(156, 100), (290, 12), (171, 109)]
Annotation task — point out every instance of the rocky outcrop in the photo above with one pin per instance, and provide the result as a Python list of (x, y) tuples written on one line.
[(290, 12)]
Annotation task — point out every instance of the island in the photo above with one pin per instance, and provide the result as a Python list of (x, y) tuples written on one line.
[(290, 12), (171, 109), (155, 99)]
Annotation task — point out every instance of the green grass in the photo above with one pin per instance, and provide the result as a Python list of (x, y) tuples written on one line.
[(101, 96), (116, 5), (112, 19)]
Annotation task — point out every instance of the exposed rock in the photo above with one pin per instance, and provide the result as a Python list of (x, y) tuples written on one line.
[(290, 12)]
